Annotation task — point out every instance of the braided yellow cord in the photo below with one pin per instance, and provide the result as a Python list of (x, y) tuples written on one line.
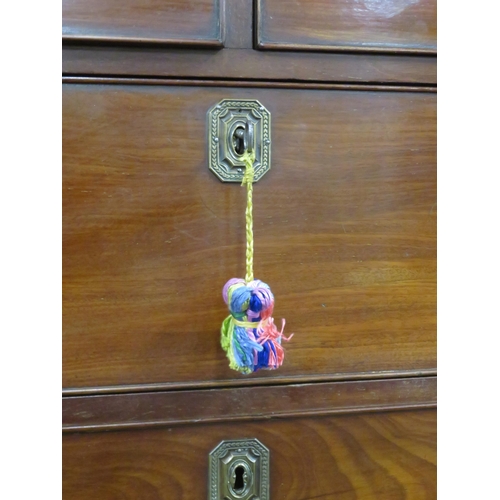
[(249, 159)]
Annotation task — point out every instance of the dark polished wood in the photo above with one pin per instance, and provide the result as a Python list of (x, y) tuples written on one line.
[(180, 82), (245, 404), (345, 234), (345, 229), (245, 382), (238, 28), (248, 64), (385, 456), (172, 22), (402, 26)]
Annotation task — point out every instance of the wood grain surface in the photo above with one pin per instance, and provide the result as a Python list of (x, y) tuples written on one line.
[(248, 64), (386, 456), (144, 39), (179, 22), (405, 26), (244, 404), (345, 230)]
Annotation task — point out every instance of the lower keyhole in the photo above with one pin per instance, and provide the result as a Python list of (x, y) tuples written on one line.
[(239, 483)]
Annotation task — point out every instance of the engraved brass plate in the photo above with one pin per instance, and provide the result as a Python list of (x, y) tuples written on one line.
[(239, 470), (226, 122)]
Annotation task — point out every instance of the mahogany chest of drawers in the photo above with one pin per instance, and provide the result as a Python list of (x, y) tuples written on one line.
[(345, 234)]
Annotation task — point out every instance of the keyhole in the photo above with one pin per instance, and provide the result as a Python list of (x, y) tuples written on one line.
[(239, 482), (238, 141)]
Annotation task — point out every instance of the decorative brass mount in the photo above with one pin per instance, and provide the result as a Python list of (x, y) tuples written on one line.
[(239, 470), (234, 126)]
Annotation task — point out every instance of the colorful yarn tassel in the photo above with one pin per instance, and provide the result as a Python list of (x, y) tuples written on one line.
[(248, 335)]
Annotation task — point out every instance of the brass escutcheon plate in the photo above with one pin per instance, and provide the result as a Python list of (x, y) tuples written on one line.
[(224, 119), (239, 470)]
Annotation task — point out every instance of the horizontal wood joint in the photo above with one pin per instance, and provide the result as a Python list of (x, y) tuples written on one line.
[(107, 412)]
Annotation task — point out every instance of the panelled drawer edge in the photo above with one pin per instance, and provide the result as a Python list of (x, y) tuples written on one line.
[(404, 27), (188, 23)]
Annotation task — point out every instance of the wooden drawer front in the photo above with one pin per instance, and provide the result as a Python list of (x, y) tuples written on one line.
[(114, 411), (177, 22), (345, 229), (384, 456), (406, 26)]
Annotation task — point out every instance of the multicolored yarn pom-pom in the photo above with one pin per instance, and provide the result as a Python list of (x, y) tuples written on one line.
[(249, 336)]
